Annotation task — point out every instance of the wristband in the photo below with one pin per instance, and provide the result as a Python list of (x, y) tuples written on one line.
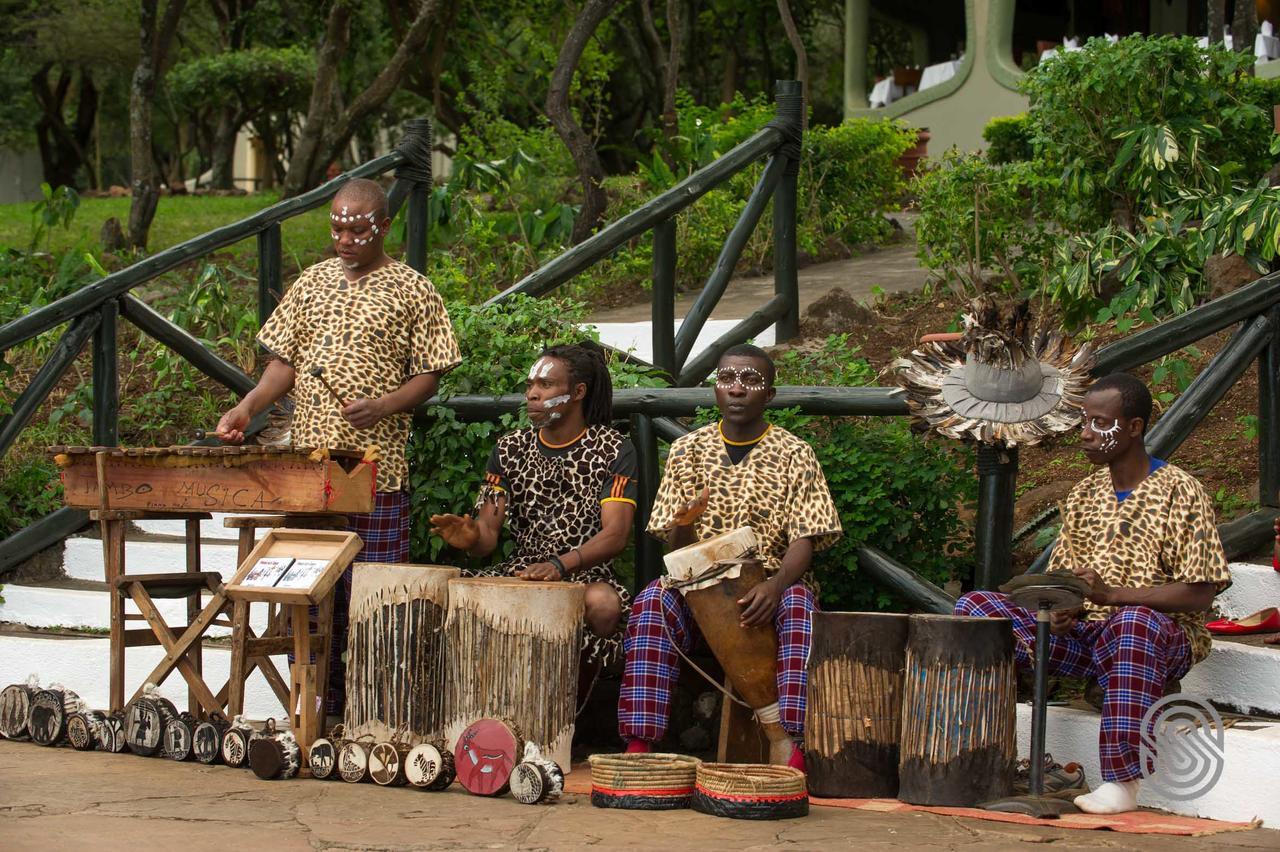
[(555, 560)]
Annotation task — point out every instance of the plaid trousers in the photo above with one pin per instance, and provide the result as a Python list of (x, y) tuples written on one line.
[(385, 533), (1133, 653), (652, 664)]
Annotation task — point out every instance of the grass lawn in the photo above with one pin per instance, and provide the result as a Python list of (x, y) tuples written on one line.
[(178, 218)]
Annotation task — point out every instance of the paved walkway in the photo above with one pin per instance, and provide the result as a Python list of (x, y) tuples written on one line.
[(63, 799)]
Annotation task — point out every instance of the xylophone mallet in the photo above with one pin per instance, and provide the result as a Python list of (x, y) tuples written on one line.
[(318, 372)]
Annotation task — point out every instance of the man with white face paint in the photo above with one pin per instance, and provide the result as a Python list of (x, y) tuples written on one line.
[(1141, 532), (379, 334), (566, 486)]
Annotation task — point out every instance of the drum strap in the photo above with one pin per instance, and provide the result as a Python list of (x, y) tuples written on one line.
[(709, 679)]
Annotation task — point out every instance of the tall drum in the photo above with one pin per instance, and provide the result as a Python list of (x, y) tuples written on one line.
[(395, 651), (513, 647), (958, 734), (854, 717)]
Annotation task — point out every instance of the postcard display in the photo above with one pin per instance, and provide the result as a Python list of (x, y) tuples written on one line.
[(295, 569)]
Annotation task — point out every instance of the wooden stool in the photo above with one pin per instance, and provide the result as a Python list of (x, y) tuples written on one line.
[(189, 584), (250, 651)]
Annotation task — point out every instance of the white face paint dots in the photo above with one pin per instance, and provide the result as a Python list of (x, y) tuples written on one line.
[(1110, 435), (346, 217)]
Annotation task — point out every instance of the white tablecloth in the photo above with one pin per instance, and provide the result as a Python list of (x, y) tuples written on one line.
[(932, 75), (1227, 41), (885, 92), (1266, 47), (1067, 46)]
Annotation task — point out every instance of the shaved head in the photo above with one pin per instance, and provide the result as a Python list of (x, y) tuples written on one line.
[(363, 194)]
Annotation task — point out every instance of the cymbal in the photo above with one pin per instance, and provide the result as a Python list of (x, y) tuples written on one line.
[(1061, 590)]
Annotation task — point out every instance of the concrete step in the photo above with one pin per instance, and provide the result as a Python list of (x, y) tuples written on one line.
[(1243, 677), (80, 608), (177, 529), (1253, 587), (1246, 790), (637, 337), (82, 665), (82, 558)]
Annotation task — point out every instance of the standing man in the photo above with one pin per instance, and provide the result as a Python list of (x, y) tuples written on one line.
[(1142, 533), (379, 331), (567, 488), (737, 472)]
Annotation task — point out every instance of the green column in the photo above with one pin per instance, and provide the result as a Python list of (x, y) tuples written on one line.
[(857, 16)]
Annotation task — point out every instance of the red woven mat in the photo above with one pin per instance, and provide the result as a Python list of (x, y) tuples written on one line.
[(1134, 822)]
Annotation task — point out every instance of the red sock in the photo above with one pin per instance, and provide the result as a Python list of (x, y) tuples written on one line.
[(797, 758), (638, 747)]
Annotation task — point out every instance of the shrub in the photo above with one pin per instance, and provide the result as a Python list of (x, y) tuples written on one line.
[(1009, 138), (1013, 204)]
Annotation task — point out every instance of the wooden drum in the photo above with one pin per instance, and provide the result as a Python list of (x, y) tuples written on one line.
[(512, 647), (854, 714), (959, 692), (395, 651), (713, 575)]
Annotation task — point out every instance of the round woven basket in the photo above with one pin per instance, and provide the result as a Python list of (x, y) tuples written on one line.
[(750, 791), (642, 782)]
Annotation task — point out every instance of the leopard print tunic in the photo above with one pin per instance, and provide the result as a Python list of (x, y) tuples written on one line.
[(370, 336), (1163, 532), (553, 506), (778, 490)]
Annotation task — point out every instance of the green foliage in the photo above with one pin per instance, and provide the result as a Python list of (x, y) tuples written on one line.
[(255, 81), (1012, 203), (1009, 138), (57, 209), (446, 455), (16, 103), (29, 489)]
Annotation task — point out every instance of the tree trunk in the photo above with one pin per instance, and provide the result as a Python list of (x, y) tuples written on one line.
[(1217, 14), (306, 150), (224, 149), (585, 158), (64, 150), (670, 119), (144, 181), (729, 82), (802, 56), (1244, 26)]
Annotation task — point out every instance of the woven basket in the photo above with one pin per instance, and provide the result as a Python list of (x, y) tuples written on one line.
[(645, 782), (750, 791)]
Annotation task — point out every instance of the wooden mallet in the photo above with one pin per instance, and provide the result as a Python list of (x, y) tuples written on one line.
[(318, 372)]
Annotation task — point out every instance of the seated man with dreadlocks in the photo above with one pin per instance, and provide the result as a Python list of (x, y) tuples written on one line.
[(1141, 532), (567, 486), (738, 472)]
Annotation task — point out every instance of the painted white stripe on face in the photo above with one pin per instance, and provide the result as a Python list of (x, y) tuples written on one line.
[(556, 400), (540, 369)]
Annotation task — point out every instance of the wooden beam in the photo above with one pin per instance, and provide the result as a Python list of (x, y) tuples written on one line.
[(47, 377), (902, 581), (158, 327)]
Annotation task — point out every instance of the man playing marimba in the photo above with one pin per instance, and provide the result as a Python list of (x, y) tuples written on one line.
[(381, 336), (567, 488), (1142, 532), (737, 472)]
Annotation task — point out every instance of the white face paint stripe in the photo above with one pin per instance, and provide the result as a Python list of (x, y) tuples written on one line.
[(556, 400), (540, 369)]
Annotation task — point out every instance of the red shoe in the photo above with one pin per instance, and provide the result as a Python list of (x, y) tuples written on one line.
[(797, 758), (1263, 621), (638, 747)]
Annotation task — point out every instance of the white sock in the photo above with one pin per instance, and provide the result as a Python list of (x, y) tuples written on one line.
[(1111, 797)]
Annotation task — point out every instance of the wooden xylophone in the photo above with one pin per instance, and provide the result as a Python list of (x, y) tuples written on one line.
[(217, 479)]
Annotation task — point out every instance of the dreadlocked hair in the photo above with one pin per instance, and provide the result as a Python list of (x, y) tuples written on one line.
[(586, 364)]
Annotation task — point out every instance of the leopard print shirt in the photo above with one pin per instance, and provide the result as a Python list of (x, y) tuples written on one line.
[(370, 336), (1163, 532), (553, 506), (778, 490)]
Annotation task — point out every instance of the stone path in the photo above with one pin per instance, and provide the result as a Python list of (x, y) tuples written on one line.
[(62, 799)]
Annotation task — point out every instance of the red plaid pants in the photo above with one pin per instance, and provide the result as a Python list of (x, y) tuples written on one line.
[(652, 666)]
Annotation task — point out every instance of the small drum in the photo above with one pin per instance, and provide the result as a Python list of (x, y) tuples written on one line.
[(750, 791), (15, 707), (274, 755), (535, 779), (144, 722), (235, 745), (353, 761), (430, 767), (112, 734), (47, 717), (854, 718), (513, 647), (206, 740), (322, 757), (713, 575), (395, 651), (958, 705), (83, 729), (179, 737), (387, 762), (642, 782), (487, 751)]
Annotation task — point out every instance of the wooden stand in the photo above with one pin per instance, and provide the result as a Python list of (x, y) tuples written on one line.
[(742, 740)]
